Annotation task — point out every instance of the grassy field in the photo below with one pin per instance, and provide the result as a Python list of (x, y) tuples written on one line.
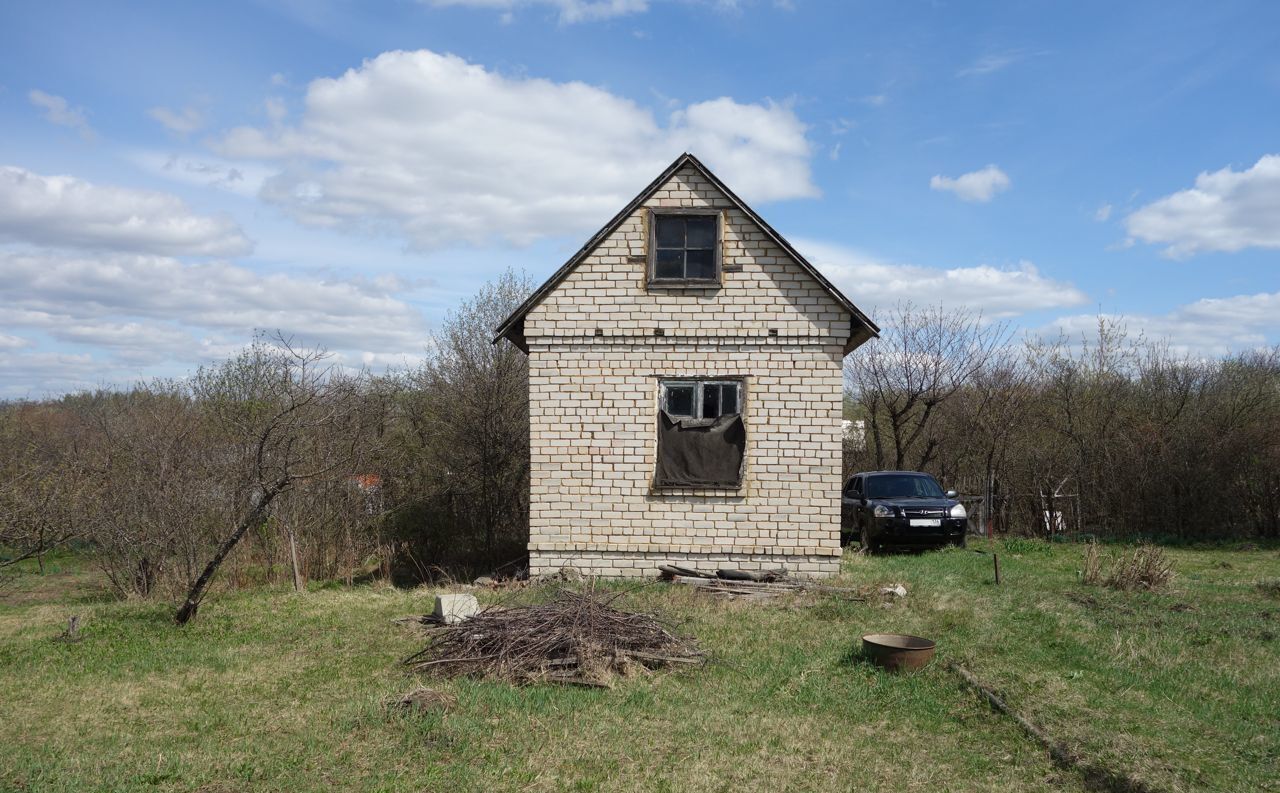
[(271, 690)]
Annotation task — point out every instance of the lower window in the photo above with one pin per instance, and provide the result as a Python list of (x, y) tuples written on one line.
[(702, 439)]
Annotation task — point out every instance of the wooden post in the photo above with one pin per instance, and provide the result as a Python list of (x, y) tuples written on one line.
[(995, 557), (293, 558)]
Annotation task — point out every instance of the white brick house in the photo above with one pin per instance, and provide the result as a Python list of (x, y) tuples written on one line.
[(685, 392)]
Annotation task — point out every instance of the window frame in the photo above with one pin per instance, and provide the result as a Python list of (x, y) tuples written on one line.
[(698, 384), (738, 490), (652, 246)]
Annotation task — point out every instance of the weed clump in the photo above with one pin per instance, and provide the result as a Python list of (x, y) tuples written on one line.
[(1143, 567), (1092, 571), (424, 700), (1270, 587)]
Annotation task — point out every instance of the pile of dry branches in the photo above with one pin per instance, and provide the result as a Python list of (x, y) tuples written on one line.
[(577, 637)]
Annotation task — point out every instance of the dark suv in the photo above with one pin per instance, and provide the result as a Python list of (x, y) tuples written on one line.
[(904, 509)]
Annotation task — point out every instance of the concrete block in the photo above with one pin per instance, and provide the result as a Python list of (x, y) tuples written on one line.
[(455, 608)]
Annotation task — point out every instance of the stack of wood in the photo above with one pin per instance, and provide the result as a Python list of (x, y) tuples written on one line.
[(750, 584), (579, 638)]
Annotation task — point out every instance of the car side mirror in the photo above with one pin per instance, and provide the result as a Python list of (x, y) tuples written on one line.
[(952, 494)]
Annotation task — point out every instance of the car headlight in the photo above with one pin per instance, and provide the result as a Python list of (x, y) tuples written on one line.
[(958, 511), (881, 511)]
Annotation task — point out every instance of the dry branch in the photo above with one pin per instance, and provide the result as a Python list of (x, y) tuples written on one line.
[(578, 638)]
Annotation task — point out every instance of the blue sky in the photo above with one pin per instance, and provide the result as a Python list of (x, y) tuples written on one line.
[(175, 175)]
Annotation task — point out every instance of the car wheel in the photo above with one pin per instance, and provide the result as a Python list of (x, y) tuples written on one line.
[(867, 547)]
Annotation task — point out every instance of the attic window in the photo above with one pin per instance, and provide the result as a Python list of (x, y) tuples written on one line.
[(701, 436), (684, 247)]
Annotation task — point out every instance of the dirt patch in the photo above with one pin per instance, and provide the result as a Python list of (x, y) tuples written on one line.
[(1088, 601)]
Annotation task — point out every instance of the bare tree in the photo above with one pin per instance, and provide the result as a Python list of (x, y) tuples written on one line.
[(977, 432), (463, 439), (280, 415), (923, 358), (41, 481)]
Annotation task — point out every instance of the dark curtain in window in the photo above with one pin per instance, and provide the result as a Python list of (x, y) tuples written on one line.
[(700, 452)]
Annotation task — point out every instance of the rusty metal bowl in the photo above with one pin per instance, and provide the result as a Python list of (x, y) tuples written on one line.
[(897, 651)]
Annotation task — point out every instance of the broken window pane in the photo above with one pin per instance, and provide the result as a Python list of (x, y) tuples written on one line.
[(710, 401), (719, 399), (728, 398)]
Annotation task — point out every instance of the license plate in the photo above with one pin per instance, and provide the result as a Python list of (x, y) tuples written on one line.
[(926, 521)]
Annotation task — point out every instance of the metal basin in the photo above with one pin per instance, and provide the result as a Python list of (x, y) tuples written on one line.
[(897, 651)]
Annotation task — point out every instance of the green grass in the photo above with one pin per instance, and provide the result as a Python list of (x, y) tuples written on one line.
[(270, 690)]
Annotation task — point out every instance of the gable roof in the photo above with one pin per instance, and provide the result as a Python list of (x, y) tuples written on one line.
[(861, 329)]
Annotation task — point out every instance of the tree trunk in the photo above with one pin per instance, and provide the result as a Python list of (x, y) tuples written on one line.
[(189, 606)]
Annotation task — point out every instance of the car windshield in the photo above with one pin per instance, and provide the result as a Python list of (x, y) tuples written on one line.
[(903, 486)]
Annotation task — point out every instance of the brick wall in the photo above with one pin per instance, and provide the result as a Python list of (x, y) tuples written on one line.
[(594, 404)]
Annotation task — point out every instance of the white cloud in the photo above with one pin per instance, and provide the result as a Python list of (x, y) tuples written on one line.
[(444, 151), (58, 111), (842, 126), (1103, 213), (183, 122), (242, 178), (119, 317), (8, 342), (994, 62), (275, 109), (997, 293), (111, 300), (980, 186), (1210, 327), (570, 11), (35, 375), (1226, 211), (63, 211)]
